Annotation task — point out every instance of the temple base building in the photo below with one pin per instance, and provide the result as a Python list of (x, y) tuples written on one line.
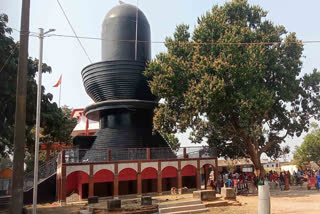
[(140, 170)]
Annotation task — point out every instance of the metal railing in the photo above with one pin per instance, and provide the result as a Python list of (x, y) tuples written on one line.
[(76, 155), (45, 170)]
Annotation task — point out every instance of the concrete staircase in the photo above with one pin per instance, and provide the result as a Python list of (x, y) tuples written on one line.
[(4, 202), (194, 206), (221, 203)]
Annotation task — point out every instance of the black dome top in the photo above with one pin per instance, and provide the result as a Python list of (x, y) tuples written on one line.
[(125, 10), (120, 24)]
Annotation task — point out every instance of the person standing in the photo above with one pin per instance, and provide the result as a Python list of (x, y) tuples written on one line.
[(225, 179), (281, 181), (318, 180), (220, 183), (229, 181), (290, 178), (286, 181), (298, 176)]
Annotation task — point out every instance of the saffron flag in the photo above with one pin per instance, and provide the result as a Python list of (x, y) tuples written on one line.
[(59, 81)]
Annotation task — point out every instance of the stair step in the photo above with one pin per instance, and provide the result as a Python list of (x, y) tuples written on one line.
[(191, 211), (234, 203), (4, 202), (218, 203), (39, 182), (182, 208), (177, 204)]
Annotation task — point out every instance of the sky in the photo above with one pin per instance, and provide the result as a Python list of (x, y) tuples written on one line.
[(66, 57)]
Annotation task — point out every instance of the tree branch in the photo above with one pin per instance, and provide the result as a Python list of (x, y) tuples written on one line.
[(270, 143)]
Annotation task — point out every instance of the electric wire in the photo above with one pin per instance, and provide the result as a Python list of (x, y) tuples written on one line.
[(188, 42), (74, 32), (9, 57)]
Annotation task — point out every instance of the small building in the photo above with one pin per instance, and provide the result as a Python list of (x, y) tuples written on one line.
[(240, 165), (271, 165), (289, 167), (84, 127)]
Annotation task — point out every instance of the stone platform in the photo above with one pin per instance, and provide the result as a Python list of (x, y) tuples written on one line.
[(228, 193), (205, 195)]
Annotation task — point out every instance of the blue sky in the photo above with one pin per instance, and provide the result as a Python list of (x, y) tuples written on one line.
[(66, 57)]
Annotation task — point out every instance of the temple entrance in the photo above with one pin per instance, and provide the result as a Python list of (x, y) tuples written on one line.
[(189, 178), (127, 181), (127, 187), (149, 185), (103, 189), (169, 178), (78, 182), (103, 183), (85, 191), (149, 180)]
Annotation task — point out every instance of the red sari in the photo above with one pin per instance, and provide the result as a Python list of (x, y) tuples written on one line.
[(286, 182)]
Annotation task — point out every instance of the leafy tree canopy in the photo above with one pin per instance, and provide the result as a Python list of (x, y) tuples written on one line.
[(309, 149), (56, 122), (244, 99)]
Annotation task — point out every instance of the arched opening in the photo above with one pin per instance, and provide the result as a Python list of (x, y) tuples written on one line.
[(189, 178), (207, 177), (103, 183), (149, 180), (127, 181), (78, 182), (169, 178)]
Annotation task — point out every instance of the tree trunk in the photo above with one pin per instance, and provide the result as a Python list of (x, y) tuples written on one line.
[(258, 167), (255, 158)]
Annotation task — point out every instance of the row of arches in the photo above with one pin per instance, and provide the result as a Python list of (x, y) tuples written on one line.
[(78, 181)]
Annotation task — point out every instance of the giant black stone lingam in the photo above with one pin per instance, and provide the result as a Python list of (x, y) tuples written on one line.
[(123, 101)]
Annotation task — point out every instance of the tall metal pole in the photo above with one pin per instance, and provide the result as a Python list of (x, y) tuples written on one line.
[(60, 91), (20, 114), (36, 152)]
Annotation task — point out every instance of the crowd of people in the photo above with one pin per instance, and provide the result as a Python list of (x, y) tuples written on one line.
[(236, 179), (283, 179)]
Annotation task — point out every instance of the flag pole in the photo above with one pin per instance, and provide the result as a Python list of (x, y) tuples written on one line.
[(60, 92)]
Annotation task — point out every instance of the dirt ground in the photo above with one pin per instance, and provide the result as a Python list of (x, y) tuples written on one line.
[(296, 200)]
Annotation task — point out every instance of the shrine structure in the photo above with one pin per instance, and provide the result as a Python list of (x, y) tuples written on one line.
[(123, 155)]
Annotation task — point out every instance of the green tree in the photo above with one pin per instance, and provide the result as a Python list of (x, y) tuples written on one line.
[(309, 149), (242, 98), (57, 126), (55, 122), (5, 162), (9, 52)]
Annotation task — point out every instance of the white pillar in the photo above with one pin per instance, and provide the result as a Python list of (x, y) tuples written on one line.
[(36, 153), (264, 199), (38, 113)]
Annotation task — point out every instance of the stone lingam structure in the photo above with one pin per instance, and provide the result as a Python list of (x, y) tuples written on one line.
[(124, 103), (124, 156)]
